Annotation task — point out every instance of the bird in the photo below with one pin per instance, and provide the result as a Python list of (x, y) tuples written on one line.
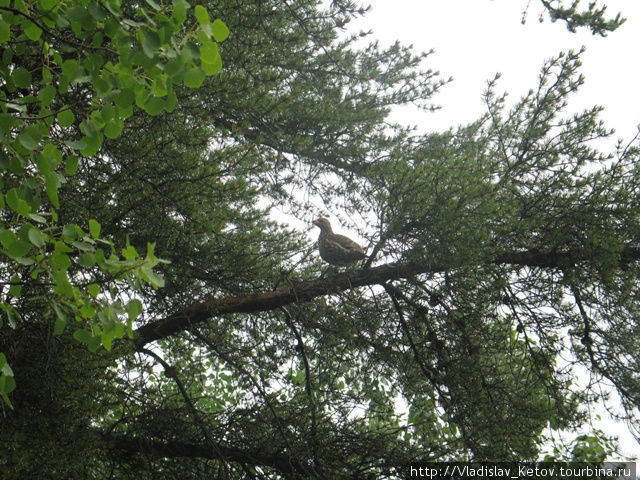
[(336, 249)]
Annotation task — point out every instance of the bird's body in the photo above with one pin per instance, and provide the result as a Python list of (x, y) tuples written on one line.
[(336, 249)]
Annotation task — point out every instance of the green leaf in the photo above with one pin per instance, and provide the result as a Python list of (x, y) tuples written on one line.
[(47, 94), (94, 144), (62, 285), (209, 52), (60, 260), (87, 311), (36, 237), (66, 118), (5, 31), (70, 69), (150, 42), (96, 11), (61, 320), (83, 336), (100, 260), (94, 228), (59, 325), (71, 166), (107, 339), (25, 260), (220, 30), (7, 122), (31, 30), (108, 113), (87, 259), (15, 290), (51, 152), (51, 185), (142, 95), (27, 141), (62, 246), (159, 86), (83, 246), (12, 315), (69, 233), (154, 5), (17, 203), (19, 248), (21, 77), (201, 15), (174, 69), (172, 101), (78, 144), (154, 105), (179, 13), (212, 68), (194, 77), (37, 131), (3, 362), (94, 344), (47, 76), (7, 237), (156, 280), (134, 308), (94, 290), (118, 329), (47, 4), (204, 34), (125, 98), (45, 164), (7, 385), (82, 144), (129, 252), (91, 126), (37, 218), (102, 86)]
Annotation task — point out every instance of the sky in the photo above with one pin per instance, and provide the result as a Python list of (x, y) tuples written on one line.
[(475, 39)]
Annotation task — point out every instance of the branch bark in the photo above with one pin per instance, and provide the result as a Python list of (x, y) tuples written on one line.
[(308, 290)]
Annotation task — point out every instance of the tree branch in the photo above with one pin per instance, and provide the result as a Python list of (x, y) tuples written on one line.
[(308, 290)]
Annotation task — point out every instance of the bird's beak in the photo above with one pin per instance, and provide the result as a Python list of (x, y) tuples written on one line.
[(315, 222)]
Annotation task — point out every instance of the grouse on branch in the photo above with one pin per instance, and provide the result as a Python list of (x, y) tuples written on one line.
[(336, 249)]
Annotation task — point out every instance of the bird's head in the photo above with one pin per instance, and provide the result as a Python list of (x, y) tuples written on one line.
[(323, 223)]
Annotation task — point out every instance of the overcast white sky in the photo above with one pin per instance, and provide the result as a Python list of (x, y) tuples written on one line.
[(474, 39)]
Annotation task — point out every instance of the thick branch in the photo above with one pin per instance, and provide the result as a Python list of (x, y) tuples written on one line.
[(301, 292), (305, 291)]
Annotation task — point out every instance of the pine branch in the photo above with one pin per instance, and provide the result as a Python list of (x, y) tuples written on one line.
[(308, 290)]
